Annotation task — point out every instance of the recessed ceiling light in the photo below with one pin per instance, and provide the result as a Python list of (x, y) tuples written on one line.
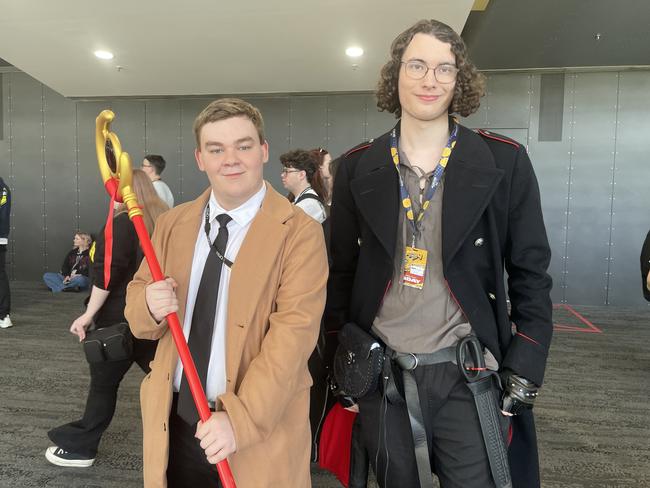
[(354, 52), (104, 54)]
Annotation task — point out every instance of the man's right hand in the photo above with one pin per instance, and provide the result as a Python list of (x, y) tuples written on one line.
[(161, 298)]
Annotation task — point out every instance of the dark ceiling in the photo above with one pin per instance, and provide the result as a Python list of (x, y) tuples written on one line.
[(515, 34)]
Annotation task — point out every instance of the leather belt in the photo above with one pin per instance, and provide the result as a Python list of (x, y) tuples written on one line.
[(408, 362)]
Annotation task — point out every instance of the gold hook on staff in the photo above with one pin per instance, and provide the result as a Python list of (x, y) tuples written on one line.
[(114, 164)]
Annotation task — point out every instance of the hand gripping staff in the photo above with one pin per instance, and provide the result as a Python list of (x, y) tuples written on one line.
[(115, 168)]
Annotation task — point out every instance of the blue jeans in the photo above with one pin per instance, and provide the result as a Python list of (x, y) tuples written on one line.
[(54, 282)]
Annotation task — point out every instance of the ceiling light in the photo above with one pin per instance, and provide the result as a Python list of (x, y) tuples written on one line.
[(354, 52), (104, 54)]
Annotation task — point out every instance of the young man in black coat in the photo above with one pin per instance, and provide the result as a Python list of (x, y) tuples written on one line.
[(419, 244)]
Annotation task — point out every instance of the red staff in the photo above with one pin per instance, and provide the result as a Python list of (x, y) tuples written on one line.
[(115, 168)]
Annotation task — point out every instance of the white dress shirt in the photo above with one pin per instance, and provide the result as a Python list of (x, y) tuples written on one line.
[(238, 227), (312, 207), (164, 192)]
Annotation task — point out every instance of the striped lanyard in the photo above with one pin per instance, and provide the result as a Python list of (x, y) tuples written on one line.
[(435, 180)]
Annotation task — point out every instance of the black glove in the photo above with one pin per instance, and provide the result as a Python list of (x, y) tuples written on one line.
[(519, 394)]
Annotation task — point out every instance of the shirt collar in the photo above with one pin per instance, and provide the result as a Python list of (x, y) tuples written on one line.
[(243, 214)]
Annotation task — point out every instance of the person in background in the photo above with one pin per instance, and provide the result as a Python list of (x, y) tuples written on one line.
[(302, 177), (76, 443), (153, 165), (323, 160), (5, 294), (74, 270)]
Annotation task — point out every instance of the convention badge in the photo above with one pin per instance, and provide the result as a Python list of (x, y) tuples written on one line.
[(415, 265)]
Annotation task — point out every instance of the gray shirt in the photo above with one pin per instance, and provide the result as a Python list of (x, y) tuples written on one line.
[(426, 320)]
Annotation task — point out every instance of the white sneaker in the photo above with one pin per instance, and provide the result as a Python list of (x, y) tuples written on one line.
[(6, 323), (61, 457)]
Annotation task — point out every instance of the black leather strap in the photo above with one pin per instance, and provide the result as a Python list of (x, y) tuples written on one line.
[(488, 414), (408, 362)]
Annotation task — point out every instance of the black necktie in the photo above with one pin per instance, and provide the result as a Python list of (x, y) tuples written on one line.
[(200, 339)]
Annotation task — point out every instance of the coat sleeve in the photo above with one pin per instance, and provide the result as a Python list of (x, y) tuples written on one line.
[(645, 266), (65, 266), (527, 257), (275, 375), (142, 324), (344, 252), (344, 248)]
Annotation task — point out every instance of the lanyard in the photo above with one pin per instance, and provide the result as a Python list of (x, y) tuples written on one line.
[(435, 181), (207, 227)]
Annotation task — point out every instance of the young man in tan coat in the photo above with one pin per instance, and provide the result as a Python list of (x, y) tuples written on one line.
[(247, 273)]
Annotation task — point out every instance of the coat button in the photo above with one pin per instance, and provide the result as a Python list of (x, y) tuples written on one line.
[(492, 296), (479, 242)]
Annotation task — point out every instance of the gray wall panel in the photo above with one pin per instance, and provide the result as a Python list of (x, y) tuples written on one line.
[(508, 103), (193, 181), (377, 123), (551, 161), (129, 125), (93, 199), (277, 129), (594, 129), (631, 219), (577, 176), (27, 196), (346, 122), (60, 177), (308, 122), (163, 136)]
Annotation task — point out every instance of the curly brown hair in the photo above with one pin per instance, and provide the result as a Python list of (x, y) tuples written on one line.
[(308, 162), (470, 84)]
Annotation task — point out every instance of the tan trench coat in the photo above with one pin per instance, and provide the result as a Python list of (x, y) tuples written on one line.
[(276, 299)]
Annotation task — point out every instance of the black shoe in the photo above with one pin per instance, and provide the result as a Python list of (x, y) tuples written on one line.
[(61, 457)]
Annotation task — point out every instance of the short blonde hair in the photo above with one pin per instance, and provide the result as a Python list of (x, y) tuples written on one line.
[(226, 108)]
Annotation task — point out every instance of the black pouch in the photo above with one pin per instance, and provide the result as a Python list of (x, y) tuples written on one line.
[(358, 361), (113, 343)]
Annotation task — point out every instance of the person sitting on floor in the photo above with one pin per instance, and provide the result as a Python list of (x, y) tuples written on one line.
[(74, 271)]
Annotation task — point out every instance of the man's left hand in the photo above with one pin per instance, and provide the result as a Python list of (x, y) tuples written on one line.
[(217, 437)]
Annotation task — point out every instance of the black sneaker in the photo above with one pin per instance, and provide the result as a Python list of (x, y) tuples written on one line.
[(61, 457)]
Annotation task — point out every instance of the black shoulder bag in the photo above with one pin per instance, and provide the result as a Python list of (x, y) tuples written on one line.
[(358, 361), (113, 343)]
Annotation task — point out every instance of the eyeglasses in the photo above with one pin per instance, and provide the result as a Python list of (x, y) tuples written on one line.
[(443, 73), (146, 165), (286, 171)]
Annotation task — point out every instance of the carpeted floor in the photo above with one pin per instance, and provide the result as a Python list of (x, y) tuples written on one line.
[(593, 415)]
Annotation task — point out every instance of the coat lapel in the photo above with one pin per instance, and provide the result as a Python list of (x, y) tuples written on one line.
[(471, 179), (181, 248), (376, 192), (250, 273)]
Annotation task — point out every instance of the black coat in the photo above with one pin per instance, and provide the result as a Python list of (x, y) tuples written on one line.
[(490, 193)]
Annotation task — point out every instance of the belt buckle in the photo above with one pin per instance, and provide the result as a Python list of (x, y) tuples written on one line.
[(414, 363)]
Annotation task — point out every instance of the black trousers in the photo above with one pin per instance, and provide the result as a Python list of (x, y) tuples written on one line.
[(83, 436), (187, 465), (456, 450), (5, 295)]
